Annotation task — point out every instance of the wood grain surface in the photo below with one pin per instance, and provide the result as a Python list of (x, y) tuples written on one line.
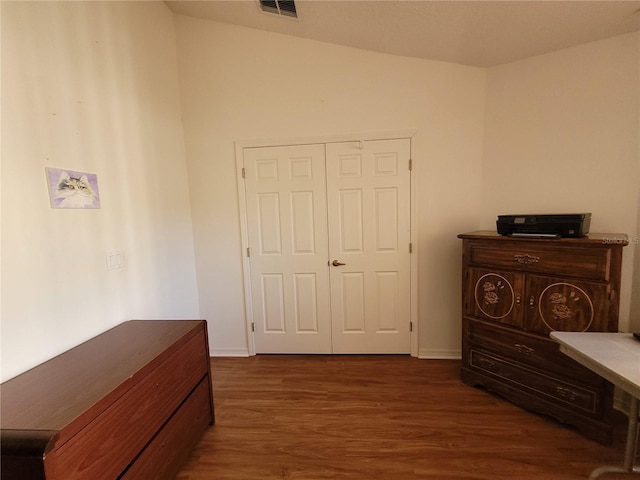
[(92, 411), (379, 417)]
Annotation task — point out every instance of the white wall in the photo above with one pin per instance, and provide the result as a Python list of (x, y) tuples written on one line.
[(563, 135), (634, 247), (94, 86), (634, 316), (243, 84), (90, 86)]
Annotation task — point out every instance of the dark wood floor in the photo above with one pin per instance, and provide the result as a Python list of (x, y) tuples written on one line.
[(378, 417)]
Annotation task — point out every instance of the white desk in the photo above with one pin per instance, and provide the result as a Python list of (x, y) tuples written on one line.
[(616, 358)]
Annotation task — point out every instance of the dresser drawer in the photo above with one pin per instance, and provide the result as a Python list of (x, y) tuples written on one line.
[(530, 350), (161, 460), (109, 443), (536, 382), (574, 261)]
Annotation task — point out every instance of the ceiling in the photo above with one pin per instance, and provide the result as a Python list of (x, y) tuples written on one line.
[(480, 33)]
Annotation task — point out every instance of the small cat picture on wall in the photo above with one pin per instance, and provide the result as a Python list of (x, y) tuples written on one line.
[(70, 189)]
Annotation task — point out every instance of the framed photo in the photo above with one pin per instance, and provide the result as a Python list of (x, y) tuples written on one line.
[(70, 189)]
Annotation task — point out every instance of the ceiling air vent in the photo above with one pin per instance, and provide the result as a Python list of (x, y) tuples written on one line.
[(279, 7)]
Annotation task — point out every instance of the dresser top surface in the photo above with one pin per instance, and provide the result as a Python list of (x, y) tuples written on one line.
[(51, 395), (610, 239)]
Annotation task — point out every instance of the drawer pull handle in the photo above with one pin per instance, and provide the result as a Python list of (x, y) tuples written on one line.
[(518, 299), (532, 301), (566, 393), (526, 259), (524, 349)]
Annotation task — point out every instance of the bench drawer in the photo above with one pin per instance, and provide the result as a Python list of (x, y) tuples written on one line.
[(110, 443), (161, 460)]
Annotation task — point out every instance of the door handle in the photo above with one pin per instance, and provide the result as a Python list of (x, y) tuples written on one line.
[(336, 263)]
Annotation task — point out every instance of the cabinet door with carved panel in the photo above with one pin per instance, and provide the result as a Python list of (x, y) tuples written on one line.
[(555, 304), (495, 296)]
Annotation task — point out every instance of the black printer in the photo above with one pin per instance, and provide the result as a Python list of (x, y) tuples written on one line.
[(546, 225)]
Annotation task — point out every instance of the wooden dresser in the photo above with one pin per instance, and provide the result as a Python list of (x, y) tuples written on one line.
[(515, 291), (127, 404)]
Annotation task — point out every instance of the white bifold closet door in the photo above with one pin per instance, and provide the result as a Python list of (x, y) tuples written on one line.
[(329, 234)]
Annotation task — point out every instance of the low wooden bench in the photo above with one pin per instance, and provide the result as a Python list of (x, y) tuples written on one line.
[(128, 404)]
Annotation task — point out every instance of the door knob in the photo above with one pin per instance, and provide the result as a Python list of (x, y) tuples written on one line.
[(336, 263)]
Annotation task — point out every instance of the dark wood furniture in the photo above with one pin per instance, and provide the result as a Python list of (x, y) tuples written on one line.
[(518, 290), (127, 404)]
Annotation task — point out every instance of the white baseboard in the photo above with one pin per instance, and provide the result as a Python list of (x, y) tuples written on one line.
[(425, 354), (437, 354), (228, 352)]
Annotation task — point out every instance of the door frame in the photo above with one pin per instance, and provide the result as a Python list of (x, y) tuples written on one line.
[(240, 145)]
